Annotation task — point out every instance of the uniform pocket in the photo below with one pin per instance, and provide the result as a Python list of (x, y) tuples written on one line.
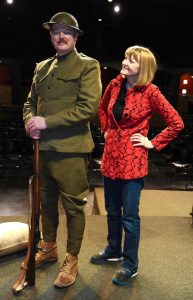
[(67, 85), (68, 77)]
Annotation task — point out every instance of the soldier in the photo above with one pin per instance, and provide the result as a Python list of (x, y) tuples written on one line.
[(62, 101)]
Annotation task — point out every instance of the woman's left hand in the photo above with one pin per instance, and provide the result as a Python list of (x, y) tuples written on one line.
[(141, 140)]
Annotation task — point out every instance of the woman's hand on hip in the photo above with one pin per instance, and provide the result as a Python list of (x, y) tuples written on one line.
[(140, 140)]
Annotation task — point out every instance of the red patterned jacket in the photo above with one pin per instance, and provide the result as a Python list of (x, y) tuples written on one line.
[(120, 158)]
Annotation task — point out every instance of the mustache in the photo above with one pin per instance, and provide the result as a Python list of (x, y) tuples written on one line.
[(62, 40)]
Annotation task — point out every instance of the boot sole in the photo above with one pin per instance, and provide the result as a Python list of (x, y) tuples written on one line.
[(65, 286)]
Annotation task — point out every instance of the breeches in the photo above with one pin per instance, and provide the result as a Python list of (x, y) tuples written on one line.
[(63, 175)]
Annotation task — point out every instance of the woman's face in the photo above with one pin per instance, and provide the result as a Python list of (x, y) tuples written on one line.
[(130, 67)]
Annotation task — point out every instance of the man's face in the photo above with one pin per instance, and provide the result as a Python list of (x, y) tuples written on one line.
[(63, 38)]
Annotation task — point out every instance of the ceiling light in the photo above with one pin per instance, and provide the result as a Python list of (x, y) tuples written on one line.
[(116, 8), (9, 1)]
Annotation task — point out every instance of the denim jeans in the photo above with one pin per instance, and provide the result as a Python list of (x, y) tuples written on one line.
[(122, 206)]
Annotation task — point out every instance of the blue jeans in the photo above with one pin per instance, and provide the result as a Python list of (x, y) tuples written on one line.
[(122, 206)]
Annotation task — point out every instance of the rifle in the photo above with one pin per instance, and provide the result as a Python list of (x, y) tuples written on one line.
[(27, 275)]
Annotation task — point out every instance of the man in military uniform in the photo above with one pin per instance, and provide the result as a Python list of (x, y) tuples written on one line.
[(62, 101)]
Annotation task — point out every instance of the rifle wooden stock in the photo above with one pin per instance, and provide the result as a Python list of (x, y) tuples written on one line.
[(27, 275)]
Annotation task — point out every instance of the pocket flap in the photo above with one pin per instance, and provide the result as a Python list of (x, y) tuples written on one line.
[(67, 77)]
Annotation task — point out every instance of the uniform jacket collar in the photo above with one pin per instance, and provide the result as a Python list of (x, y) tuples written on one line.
[(66, 56)]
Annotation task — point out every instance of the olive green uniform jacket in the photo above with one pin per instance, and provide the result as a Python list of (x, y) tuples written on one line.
[(66, 93)]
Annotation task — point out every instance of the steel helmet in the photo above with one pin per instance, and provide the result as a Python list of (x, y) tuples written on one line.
[(65, 19)]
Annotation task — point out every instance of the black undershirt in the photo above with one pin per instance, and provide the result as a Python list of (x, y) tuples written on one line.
[(120, 102)]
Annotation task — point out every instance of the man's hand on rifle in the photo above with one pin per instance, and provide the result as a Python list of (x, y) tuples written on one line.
[(35, 134), (36, 123), (34, 127)]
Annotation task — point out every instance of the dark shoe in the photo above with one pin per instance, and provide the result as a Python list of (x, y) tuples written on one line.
[(68, 272), (123, 275), (47, 252), (104, 257)]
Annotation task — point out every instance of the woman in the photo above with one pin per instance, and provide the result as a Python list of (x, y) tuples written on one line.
[(125, 111)]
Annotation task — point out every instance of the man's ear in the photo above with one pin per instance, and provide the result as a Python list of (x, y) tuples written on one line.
[(76, 37)]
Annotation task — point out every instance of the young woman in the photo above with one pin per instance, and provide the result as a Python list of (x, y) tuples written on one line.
[(125, 111)]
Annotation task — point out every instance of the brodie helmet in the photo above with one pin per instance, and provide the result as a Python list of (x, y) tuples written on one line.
[(65, 19)]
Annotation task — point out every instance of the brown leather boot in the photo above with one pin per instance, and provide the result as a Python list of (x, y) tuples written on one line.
[(46, 253), (68, 272)]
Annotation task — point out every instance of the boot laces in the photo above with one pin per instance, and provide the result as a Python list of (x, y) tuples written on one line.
[(65, 266)]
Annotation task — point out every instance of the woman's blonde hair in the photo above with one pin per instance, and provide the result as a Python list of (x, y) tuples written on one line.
[(147, 63)]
